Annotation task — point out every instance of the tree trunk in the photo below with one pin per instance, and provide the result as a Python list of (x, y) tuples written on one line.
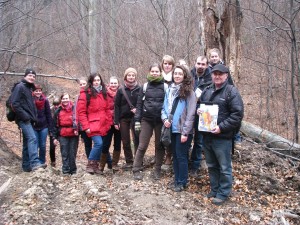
[(93, 36)]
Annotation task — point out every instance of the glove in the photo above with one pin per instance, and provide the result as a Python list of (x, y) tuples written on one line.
[(137, 127)]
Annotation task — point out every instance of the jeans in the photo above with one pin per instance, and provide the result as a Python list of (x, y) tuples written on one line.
[(107, 139), (87, 143), (218, 159), (238, 137), (41, 137), (95, 153), (196, 155), (127, 125), (30, 157), (68, 149), (145, 136), (180, 158), (52, 149)]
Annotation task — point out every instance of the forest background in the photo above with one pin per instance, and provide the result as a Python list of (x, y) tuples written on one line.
[(259, 41)]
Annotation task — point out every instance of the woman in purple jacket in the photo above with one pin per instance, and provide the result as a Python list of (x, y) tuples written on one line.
[(44, 121)]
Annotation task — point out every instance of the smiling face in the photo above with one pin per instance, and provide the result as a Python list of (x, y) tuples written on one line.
[(178, 75), (201, 65), (167, 66), (37, 92), (219, 78), (30, 78), (113, 84), (82, 83), (155, 71), (96, 81), (214, 58), (130, 77), (65, 99)]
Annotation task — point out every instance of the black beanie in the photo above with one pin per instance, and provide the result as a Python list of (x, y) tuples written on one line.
[(29, 71)]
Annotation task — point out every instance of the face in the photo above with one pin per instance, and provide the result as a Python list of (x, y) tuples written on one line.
[(82, 83), (96, 81), (214, 58), (65, 100), (37, 92), (167, 67), (113, 84), (178, 76), (201, 65), (30, 78), (130, 77), (155, 72), (219, 78)]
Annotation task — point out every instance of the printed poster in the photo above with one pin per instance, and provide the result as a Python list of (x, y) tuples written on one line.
[(208, 118)]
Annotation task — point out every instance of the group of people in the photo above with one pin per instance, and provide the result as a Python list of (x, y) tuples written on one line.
[(129, 113)]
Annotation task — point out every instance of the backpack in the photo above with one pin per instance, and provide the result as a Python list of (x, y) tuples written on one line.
[(10, 113)]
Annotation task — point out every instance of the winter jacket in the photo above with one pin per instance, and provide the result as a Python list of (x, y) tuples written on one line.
[(64, 122), (202, 81), (44, 117), (231, 108), (122, 108), (183, 117), (23, 102), (96, 114), (149, 104)]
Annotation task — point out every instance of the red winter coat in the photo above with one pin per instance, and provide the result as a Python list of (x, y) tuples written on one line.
[(65, 123), (95, 115)]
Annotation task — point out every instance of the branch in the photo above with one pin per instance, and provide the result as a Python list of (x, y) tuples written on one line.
[(38, 74), (267, 64)]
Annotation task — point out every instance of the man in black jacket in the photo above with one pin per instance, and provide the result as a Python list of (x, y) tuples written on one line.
[(201, 74), (26, 115), (218, 142)]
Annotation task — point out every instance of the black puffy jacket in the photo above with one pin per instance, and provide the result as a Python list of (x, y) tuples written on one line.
[(150, 103), (23, 102), (231, 108)]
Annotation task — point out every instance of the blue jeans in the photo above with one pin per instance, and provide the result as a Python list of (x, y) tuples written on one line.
[(107, 139), (218, 159), (41, 137), (30, 157), (95, 153), (238, 137), (180, 158)]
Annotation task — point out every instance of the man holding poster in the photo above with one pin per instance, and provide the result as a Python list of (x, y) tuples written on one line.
[(218, 140)]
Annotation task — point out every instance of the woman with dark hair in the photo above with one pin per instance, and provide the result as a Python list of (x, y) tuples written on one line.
[(94, 116), (66, 132), (147, 119), (181, 124)]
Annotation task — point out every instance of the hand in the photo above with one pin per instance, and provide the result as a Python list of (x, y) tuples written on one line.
[(88, 131), (216, 130), (167, 124), (199, 111), (55, 142), (76, 132), (133, 110), (183, 138), (137, 126), (117, 127)]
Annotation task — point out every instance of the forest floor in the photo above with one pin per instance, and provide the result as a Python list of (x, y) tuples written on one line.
[(266, 191)]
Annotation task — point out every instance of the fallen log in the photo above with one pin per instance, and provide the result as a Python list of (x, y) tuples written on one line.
[(272, 140)]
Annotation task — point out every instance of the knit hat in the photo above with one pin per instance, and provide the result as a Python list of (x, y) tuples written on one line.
[(29, 71), (129, 70)]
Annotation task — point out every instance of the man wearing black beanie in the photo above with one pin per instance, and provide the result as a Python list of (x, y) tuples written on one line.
[(23, 104)]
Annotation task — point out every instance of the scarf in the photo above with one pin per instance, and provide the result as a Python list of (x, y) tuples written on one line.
[(130, 85), (167, 76), (98, 89), (68, 107), (154, 79), (110, 92), (40, 102), (174, 92)]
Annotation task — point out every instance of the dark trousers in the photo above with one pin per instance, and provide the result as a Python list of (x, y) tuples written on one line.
[(112, 133), (68, 149), (52, 149), (147, 129), (88, 143), (127, 126)]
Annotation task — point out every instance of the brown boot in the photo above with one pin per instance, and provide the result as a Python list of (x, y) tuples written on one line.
[(90, 167), (115, 160), (96, 167), (168, 160), (103, 160)]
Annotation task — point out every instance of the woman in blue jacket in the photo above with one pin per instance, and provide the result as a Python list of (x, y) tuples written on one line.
[(181, 124)]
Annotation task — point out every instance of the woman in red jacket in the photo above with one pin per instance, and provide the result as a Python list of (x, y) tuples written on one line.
[(65, 130), (94, 116)]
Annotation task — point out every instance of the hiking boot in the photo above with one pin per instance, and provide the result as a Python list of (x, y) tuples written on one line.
[(194, 173), (179, 188), (103, 160), (138, 175), (90, 167), (211, 195), (127, 166), (157, 174), (218, 201), (42, 166), (168, 160), (171, 185)]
